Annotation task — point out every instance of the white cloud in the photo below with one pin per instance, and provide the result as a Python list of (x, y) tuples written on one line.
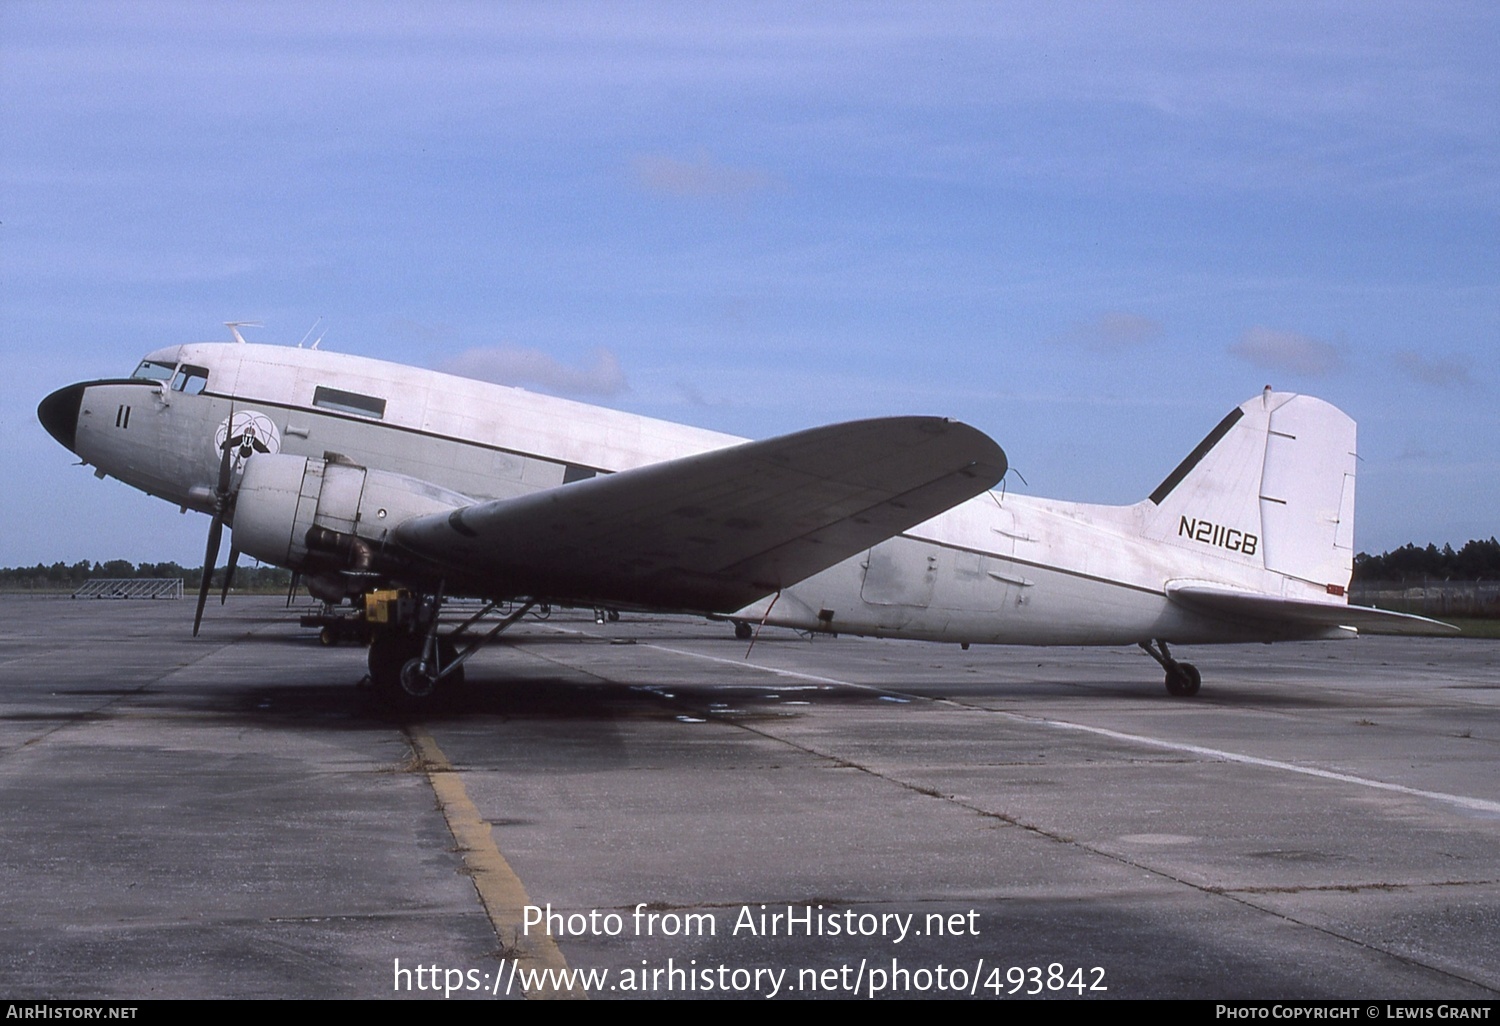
[(693, 395), (512, 365), (1443, 372), (1288, 351)]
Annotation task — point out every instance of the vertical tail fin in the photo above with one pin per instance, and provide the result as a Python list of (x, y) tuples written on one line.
[(1272, 486)]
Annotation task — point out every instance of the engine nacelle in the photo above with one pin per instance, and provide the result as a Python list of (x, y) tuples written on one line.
[(302, 512)]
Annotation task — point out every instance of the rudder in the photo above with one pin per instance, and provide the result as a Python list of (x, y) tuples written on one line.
[(1271, 486)]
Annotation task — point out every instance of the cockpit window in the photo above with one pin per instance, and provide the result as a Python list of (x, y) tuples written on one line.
[(338, 400), (190, 380), (154, 370)]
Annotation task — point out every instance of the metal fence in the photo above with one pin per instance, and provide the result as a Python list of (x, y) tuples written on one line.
[(1431, 598), (131, 588)]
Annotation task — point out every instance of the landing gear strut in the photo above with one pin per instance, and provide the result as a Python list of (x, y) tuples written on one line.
[(397, 672), (411, 665), (1183, 679), (409, 660)]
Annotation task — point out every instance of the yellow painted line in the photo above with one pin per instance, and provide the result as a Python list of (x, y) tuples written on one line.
[(500, 889)]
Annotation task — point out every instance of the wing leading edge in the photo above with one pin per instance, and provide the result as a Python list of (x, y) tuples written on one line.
[(1273, 608), (715, 531)]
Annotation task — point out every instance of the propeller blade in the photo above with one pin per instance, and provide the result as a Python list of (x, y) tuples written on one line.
[(234, 558), (216, 528), (226, 466), (291, 592), (210, 557)]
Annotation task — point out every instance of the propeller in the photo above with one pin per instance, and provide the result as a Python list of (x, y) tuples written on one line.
[(234, 559), (216, 529)]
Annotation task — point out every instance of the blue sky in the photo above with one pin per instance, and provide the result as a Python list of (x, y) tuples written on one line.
[(1088, 229)]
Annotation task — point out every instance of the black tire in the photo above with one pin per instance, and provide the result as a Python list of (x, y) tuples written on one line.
[(1183, 680), (393, 664), (388, 653), (743, 630)]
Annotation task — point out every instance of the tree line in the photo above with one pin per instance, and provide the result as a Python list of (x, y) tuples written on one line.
[(1475, 561), (71, 576)]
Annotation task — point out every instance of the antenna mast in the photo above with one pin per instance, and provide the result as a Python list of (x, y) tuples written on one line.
[(235, 326)]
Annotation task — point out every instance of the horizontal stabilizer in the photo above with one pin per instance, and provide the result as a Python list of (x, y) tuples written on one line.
[(1273, 608), (715, 531)]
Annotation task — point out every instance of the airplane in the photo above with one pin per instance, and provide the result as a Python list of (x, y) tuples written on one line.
[(401, 488)]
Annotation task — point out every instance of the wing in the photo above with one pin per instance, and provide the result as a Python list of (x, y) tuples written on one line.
[(715, 531), (1229, 602)]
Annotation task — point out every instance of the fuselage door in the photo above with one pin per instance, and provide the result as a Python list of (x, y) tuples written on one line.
[(900, 572)]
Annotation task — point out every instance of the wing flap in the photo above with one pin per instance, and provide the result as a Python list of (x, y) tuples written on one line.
[(717, 530), (1232, 602)]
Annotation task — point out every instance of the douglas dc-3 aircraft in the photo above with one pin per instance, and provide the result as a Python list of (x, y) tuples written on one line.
[(363, 475)]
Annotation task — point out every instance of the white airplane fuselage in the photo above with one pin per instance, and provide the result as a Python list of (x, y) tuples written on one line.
[(998, 568)]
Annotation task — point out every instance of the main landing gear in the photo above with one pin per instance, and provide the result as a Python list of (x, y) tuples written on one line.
[(411, 665), (1183, 679)]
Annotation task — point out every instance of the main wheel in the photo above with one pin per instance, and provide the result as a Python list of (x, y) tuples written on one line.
[(388, 654), (396, 671), (743, 630), (1183, 680), (417, 686)]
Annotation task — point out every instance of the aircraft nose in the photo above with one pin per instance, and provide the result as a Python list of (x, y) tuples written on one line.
[(59, 414)]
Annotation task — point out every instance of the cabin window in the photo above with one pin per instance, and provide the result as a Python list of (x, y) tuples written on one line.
[(349, 402), (154, 370), (190, 380)]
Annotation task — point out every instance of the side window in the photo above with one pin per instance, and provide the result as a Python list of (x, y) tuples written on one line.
[(339, 401), (153, 370), (190, 380)]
